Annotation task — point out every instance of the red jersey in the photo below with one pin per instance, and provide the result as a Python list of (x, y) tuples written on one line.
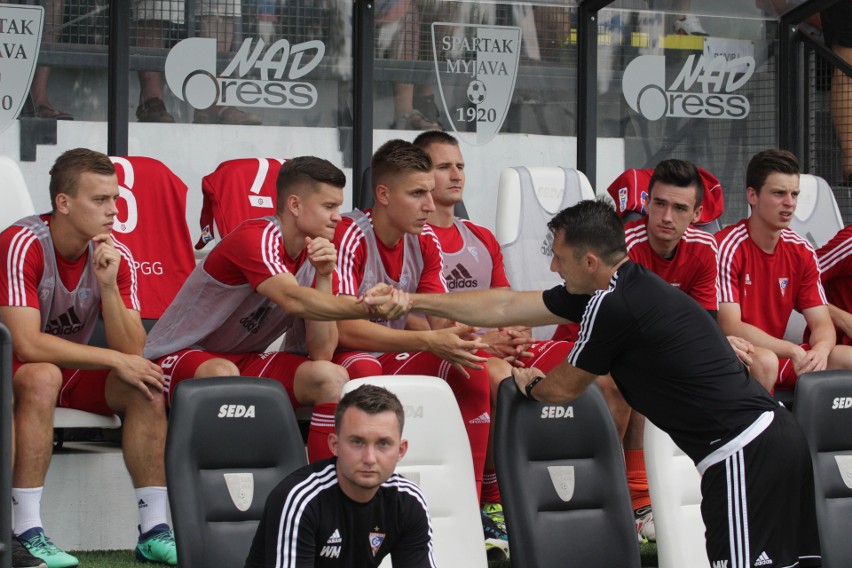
[(152, 223), (353, 256), (693, 268), (238, 190), (24, 260), (768, 287), (251, 254), (835, 264)]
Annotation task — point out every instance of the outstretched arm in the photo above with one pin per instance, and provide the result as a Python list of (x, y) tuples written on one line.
[(488, 308)]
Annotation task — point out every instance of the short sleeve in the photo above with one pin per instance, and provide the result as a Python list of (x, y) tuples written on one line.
[(606, 328), (432, 279), (565, 305)]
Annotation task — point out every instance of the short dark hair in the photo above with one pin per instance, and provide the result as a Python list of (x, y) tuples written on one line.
[(679, 173), (425, 139), (591, 225), (66, 171), (372, 400), (397, 156), (768, 162), (306, 171)]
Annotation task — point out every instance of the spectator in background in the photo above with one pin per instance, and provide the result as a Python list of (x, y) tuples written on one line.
[(837, 30), (153, 20), (41, 105), (399, 27)]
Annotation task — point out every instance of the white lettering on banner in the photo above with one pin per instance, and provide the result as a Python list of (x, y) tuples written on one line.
[(20, 39), (716, 78), (476, 67), (191, 74)]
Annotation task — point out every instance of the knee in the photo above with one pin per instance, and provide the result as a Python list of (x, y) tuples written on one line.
[(498, 369), (764, 367), (327, 380), (217, 368), (840, 357), (37, 385)]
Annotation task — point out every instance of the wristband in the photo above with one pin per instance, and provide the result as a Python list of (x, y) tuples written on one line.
[(528, 389)]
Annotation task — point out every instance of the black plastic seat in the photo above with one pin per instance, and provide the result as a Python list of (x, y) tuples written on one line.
[(230, 441), (562, 479)]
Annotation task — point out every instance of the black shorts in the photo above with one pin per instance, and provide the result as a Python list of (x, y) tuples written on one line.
[(758, 505), (837, 24)]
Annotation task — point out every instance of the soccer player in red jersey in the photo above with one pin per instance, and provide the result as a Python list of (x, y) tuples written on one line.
[(835, 265), (393, 244), (268, 276), (766, 271), (64, 270)]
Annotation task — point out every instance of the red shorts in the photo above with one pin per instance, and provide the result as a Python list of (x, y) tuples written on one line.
[(787, 377), (277, 365), (358, 364), (81, 389), (547, 354)]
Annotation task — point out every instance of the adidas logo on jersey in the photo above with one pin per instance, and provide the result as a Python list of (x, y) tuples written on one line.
[(459, 278), (720, 564), (483, 418), (763, 560), (67, 323), (334, 538), (252, 322)]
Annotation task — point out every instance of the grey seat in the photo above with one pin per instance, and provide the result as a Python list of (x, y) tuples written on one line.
[(230, 441), (823, 408), (561, 473)]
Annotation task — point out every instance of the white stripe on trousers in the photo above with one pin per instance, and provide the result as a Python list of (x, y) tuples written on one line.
[(737, 511)]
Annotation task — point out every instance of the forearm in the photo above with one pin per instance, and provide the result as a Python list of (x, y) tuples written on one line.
[(823, 337), (310, 304), (122, 327), (47, 348), (370, 336), (488, 308), (841, 318), (759, 338)]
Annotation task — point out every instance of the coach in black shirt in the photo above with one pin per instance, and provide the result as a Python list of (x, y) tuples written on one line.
[(673, 364), (351, 510)]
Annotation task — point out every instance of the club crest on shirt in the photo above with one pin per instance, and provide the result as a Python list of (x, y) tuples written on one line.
[(644, 201), (376, 540), (782, 283), (748, 279), (473, 252)]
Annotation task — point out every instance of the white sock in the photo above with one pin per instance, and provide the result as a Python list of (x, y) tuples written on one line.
[(153, 503), (26, 508)]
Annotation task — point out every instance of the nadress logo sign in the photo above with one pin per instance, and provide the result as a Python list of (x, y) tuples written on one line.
[(705, 87), (257, 76)]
